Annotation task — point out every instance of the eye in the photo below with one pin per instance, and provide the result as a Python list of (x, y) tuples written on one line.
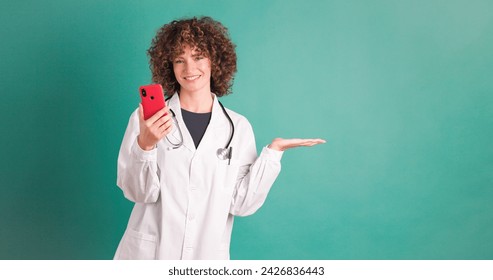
[(178, 61), (199, 57)]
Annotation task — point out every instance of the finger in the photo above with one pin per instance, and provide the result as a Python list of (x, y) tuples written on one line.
[(166, 131), (312, 142), (304, 144), (161, 124), (316, 141), (163, 121), (157, 115), (162, 129), (169, 128)]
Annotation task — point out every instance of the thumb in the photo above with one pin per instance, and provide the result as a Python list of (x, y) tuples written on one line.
[(141, 111)]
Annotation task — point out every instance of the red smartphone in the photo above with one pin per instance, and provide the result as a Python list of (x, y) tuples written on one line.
[(152, 97)]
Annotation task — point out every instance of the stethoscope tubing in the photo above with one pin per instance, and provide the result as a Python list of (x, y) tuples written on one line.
[(222, 153), (230, 122)]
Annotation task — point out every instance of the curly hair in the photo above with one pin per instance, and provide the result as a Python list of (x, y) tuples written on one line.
[(209, 38)]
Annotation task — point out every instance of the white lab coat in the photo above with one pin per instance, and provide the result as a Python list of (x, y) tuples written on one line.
[(186, 198)]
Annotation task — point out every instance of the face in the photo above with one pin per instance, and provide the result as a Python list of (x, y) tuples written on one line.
[(193, 72)]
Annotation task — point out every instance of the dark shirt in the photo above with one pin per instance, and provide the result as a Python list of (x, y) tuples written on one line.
[(196, 124)]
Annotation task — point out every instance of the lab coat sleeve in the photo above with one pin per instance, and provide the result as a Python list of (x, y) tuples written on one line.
[(137, 174), (255, 178)]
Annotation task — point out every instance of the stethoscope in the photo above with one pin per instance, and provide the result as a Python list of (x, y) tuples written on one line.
[(222, 153)]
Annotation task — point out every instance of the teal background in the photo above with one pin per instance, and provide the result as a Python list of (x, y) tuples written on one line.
[(400, 90)]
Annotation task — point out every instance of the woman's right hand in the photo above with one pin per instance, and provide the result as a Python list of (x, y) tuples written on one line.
[(153, 129)]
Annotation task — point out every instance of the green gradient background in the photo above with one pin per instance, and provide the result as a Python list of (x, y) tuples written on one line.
[(400, 90)]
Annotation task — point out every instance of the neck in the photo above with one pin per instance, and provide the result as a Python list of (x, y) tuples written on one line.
[(196, 102)]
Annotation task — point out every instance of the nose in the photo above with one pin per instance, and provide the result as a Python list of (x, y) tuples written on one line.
[(189, 65)]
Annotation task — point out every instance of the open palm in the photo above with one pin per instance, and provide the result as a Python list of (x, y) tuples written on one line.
[(282, 144)]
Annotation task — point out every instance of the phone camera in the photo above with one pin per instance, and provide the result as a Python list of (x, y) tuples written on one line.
[(144, 93), (152, 97)]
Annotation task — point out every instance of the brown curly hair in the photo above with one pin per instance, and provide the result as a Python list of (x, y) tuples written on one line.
[(209, 37)]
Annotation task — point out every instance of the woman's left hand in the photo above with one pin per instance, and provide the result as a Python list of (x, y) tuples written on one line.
[(280, 144)]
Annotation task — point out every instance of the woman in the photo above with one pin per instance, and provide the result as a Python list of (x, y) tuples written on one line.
[(192, 166)]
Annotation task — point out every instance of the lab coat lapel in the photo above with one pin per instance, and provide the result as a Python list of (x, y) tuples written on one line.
[(174, 104)]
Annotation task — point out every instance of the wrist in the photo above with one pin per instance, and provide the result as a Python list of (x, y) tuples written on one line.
[(274, 147), (143, 146)]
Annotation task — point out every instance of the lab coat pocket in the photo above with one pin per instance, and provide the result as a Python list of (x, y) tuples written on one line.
[(138, 246), (227, 174)]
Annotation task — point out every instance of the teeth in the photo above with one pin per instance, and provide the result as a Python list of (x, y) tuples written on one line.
[(191, 78)]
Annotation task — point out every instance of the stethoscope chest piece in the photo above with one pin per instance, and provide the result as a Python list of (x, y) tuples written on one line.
[(224, 153)]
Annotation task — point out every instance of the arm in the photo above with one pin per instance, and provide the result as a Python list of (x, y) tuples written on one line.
[(137, 174), (256, 175), (255, 180)]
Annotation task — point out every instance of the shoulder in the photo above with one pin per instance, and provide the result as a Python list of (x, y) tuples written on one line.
[(133, 120), (241, 123), (134, 117), (237, 118)]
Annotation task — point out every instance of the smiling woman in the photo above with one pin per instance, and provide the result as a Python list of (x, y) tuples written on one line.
[(193, 72), (206, 38), (186, 196)]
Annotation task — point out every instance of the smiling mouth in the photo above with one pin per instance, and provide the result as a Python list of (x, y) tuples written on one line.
[(191, 78)]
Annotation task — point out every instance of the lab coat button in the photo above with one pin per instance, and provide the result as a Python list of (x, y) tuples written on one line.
[(191, 217)]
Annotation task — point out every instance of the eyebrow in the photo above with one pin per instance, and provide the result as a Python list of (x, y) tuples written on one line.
[(193, 55)]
